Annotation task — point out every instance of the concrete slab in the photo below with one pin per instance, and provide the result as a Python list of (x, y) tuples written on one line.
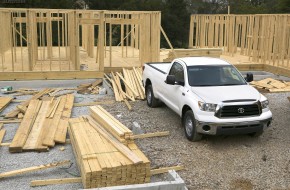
[(175, 183)]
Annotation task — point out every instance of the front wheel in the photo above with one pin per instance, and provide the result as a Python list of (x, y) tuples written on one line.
[(151, 100), (189, 125)]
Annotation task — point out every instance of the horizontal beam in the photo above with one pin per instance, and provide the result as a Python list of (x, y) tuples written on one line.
[(51, 75)]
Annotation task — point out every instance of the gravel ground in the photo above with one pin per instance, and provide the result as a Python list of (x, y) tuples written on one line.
[(223, 162)]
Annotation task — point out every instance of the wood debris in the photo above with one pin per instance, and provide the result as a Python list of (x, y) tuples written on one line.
[(127, 85), (25, 104), (55, 181), (102, 159), (32, 169), (44, 124), (271, 85), (90, 88), (4, 102)]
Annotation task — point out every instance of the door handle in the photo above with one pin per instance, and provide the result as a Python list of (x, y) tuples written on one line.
[(183, 94)]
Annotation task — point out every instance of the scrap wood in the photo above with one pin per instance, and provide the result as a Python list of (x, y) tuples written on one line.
[(2, 133), (5, 144), (147, 135), (165, 170), (17, 101), (10, 121), (15, 112), (55, 181), (1, 125), (34, 168), (90, 88), (105, 102), (4, 101), (128, 105), (272, 85), (64, 93)]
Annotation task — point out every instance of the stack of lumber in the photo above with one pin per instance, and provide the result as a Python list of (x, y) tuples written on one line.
[(103, 160), (4, 101), (206, 52), (272, 85), (112, 125), (132, 80), (90, 88), (45, 123)]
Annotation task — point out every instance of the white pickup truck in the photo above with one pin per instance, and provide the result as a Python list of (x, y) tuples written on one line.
[(210, 95)]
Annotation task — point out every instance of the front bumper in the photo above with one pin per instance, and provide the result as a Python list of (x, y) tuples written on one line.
[(230, 128)]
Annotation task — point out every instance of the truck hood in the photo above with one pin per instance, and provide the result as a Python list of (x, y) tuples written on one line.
[(216, 94)]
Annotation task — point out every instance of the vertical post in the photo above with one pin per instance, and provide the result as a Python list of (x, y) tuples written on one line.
[(101, 41)]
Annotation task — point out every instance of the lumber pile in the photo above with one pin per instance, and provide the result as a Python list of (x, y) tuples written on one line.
[(21, 108), (272, 85), (4, 101), (112, 125), (45, 123), (127, 85), (90, 88), (102, 159), (201, 52)]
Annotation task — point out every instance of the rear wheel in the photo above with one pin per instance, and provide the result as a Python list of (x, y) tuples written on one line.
[(151, 100), (189, 125)]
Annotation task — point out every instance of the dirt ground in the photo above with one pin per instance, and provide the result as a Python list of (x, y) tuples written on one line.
[(216, 162)]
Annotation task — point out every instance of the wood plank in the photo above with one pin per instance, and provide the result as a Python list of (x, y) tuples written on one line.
[(15, 112), (4, 102), (55, 181), (6, 121), (60, 134), (165, 170), (32, 169), (1, 125), (51, 130), (106, 102), (25, 127), (128, 105), (2, 134), (34, 140), (148, 135)]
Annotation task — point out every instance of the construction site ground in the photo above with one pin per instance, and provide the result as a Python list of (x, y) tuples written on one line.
[(216, 162)]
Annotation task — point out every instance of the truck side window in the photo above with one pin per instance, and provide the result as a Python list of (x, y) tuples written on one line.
[(177, 71)]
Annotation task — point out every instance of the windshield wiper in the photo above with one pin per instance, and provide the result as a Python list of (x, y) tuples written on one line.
[(230, 84)]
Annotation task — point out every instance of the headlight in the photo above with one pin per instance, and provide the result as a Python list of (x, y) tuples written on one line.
[(207, 107), (265, 104)]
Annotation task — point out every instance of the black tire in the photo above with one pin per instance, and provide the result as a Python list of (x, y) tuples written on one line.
[(257, 134), (151, 100), (189, 125)]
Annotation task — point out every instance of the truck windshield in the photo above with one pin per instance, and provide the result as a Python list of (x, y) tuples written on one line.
[(214, 75)]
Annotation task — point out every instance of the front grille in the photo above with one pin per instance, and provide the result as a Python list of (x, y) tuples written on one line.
[(240, 111)]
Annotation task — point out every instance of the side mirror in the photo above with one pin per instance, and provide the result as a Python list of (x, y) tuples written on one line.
[(249, 77), (170, 79)]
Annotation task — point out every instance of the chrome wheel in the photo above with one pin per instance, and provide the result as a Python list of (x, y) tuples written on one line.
[(188, 125)]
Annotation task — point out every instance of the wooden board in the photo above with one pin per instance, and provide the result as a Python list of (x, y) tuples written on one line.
[(34, 168), (55, 181), (61, 131), (4, 101), (25, 127), (36, 135), (2, 133)]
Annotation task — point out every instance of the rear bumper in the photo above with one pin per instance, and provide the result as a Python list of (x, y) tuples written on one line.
[(231, 128)]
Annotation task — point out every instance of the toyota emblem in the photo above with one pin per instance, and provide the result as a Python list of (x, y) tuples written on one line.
[(241, 110)]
